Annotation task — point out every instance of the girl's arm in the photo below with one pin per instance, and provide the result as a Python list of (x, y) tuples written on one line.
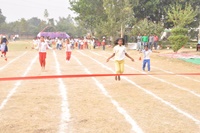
[(37, 47), (129, 57), (110, 57), (49, 46)]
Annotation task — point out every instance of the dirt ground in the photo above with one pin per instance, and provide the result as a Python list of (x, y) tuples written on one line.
[(162, 103)]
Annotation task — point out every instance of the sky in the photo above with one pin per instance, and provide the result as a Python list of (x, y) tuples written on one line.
[(14, 10)]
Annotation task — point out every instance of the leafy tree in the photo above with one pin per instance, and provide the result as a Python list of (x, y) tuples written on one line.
[(23, 26), (46, 14), (33, 26), (90, 13), (2, 18), (4, 28), (67, 25), (51, 22), (147, 27), (154, 10), (178, 38), (119, 13), (181, 15), (34, 21)]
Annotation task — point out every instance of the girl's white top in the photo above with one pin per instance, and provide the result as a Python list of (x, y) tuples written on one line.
[(3, 47), (93, 42), (146, 53), (119, 52), (42, 46), (68, 47)]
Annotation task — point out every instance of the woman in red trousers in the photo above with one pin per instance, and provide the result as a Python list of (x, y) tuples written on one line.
[(42, 48), (68, 50)]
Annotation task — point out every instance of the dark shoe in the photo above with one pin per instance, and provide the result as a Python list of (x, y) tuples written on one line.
[(119, 78), (115, 77)]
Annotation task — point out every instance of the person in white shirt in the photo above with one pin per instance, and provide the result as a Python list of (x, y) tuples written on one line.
[(68, 47), (72, 43), (119, 51), (146, 52), (42, 48)]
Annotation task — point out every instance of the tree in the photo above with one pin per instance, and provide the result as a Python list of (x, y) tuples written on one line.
[(2, 18), (90, 13), (46, 15), (154, 10), (178, 38), (33, 26), (119, 15), (68, 25), (147, 27), (23, 26), (51, 22), (181, 15)]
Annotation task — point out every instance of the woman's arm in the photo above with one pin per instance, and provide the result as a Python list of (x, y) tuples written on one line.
[(110, 57), (49, 46), (129, 57), (37, 47)]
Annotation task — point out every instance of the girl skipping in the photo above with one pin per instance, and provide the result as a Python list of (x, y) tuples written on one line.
[(68, 50), (119, 51), (42, 48)]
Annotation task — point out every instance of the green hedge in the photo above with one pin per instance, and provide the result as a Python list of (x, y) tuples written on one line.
[(178, 38)]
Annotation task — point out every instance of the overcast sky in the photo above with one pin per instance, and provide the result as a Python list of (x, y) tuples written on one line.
[(16, 9)]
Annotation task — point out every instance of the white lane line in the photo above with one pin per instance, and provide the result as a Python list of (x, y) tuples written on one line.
[(1, 68), (152, 94), (164, 81), (11, 93), (176, 75), (169, 83), (128, 118), (165, 102), (65, 116)]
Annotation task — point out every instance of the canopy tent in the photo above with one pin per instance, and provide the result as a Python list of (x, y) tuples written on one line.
[(54, 35)]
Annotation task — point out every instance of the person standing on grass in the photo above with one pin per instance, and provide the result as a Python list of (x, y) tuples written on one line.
[(4, 47), (42, 48), (103, 43), (151, 40), (68, 50), (139, 43), (145, 40), (119, 51), (155, 41)]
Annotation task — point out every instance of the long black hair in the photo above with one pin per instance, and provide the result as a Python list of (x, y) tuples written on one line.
[(4, 40), (116, 42)]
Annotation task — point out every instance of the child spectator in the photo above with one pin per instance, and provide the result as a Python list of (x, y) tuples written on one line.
[(146, 52), (68, 50)]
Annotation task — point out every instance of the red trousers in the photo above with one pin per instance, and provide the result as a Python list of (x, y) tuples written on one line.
[(42, 58), (4, 53), (68, 55)]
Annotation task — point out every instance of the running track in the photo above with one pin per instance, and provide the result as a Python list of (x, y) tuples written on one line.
[(150, 103)]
